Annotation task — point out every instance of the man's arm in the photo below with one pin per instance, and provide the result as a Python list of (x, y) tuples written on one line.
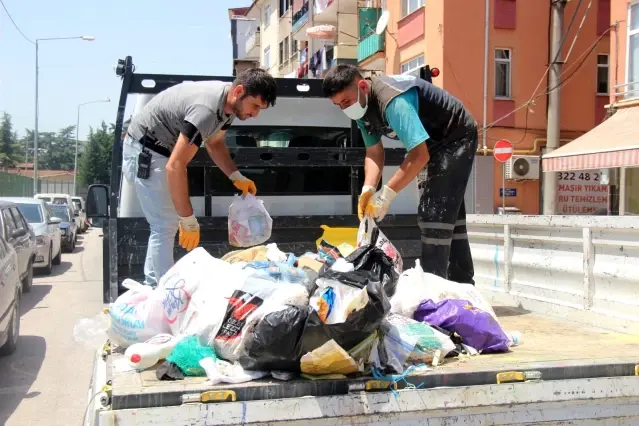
[(374, 160), (373, 165), (182, 154), (403, 118), (219, 153)]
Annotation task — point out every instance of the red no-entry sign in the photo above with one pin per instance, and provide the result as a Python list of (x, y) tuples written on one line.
[(503, 150)]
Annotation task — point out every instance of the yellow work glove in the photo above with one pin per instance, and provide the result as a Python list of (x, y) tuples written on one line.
[(380, 203), (189, 232), (242, 183), (364, 198)]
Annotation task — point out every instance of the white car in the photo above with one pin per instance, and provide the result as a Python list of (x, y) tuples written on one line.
[(47, 230), (62, 199), (80, 205)]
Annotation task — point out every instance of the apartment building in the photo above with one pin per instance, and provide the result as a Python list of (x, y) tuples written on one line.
[(302, 38), (451, 35), (243, 30), (611, 150)]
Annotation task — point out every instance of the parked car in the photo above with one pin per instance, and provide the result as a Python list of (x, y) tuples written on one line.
[(62, 199), (80, 205), (10, 292), (17, 232), (47, 231), (68, 228)]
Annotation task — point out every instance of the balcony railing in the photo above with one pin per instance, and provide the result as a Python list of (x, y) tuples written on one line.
[(370, 45), (252, 43), (626, 91), (300, 17)]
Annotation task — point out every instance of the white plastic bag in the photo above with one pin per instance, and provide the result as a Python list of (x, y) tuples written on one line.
[(415, 286), (249, 222), (412, 342), (369, 233), (220, 371), (345, 299), (195, 292), (137, 315)]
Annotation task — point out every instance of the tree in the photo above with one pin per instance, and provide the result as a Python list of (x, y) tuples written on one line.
[(95, 163), (57, 151), (7, 157)]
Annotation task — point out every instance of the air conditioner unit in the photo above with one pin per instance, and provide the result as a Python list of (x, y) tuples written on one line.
[(523, 167)]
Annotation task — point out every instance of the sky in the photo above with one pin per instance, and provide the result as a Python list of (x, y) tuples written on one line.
[(162, 36)]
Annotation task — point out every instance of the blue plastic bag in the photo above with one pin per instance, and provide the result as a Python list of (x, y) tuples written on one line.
[(478, 329)]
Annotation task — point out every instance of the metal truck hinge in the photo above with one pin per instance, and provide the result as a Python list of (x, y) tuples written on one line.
[(210, 396), (518, 376), (373, 386), (105, 394)]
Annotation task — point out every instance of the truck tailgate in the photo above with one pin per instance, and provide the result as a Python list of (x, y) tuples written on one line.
[(553, 347)]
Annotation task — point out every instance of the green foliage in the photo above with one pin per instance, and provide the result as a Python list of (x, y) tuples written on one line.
[(56, 151), (8, 144), (95, 165)]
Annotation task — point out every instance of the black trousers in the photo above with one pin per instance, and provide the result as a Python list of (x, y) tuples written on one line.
[(442, 214)]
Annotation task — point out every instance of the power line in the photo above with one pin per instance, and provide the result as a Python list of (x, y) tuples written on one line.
[(14, 23), (577, 65)]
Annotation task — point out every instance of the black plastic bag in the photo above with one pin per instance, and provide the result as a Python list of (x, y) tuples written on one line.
[(372, 259), (276, 341), (281, 338)]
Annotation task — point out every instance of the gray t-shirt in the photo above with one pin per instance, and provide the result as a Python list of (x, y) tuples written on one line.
[(200, 103)]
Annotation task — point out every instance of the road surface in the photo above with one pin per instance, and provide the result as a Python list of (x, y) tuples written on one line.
[(46, 381)]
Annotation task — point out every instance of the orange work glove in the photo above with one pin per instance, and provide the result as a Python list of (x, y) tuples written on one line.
[(189, 232), (364, 198), (242, 183)]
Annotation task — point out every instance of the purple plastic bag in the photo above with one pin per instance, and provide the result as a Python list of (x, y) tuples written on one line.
[(477, 328)]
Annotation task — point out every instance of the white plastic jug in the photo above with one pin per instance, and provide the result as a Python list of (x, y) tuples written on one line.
[(144, 355)]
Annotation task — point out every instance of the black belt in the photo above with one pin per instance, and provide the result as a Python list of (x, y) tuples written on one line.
[(152, 145)]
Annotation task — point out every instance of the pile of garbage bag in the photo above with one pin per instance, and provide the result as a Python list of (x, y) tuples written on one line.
[(341, 311)]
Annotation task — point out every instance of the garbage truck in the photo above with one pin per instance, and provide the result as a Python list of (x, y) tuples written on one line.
[(306, 158)]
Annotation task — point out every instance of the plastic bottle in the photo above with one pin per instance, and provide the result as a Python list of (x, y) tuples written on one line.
[(515, 338), (144, 355)]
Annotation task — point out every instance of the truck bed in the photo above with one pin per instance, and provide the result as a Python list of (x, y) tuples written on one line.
[(556, 348)]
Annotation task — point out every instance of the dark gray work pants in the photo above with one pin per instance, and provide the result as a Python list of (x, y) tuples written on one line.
[(442, 214)]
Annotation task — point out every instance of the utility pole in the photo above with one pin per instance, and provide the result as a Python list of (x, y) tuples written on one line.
[(553, 125)]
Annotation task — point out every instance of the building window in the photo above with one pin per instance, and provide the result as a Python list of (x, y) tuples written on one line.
[(287, 48), (412, 67), (284, 6), (409, 6), (294, 47), (602, 74), (267, 15), (632, 75), (503, 69), (267, 57), (281, 53)]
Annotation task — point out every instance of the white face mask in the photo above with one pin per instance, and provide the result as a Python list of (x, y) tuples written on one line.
[(356, 111)]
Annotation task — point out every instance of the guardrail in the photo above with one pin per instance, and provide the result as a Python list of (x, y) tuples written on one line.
[(560, 264)]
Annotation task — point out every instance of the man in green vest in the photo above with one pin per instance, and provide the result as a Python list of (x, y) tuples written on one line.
[(438, 133)]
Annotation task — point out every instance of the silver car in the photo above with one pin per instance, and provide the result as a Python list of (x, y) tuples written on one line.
[(47, 230)]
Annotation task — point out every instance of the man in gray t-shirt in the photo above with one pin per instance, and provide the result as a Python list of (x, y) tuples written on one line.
[(165, 136)]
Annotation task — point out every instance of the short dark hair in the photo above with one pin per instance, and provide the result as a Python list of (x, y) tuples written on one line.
[(339, 78), (257, 82)]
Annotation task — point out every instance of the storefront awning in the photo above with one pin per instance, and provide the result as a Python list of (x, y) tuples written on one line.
[(613, 143)]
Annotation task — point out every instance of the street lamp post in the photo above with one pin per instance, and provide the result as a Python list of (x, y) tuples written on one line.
[(77, 138), (35, 133)]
